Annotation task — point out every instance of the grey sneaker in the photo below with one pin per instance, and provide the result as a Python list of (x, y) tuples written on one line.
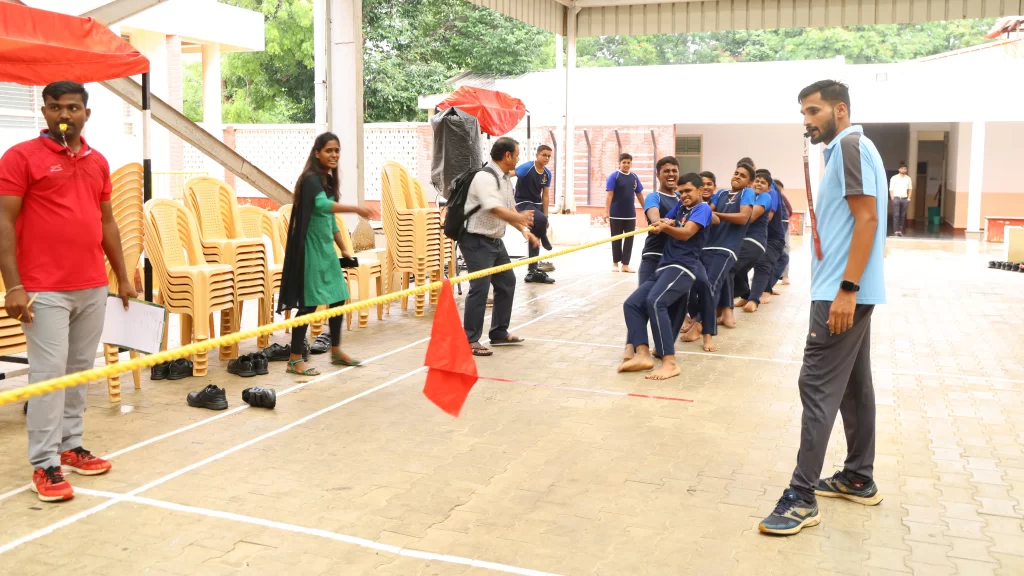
[(545, 266), (791, 515), (839, 486)]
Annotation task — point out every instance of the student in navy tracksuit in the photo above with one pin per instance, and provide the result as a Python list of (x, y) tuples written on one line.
[(533, 181), (687, 226), (782, 266), (620, 210), (657, 205), (753, 244), (733, 209), (764, 268)]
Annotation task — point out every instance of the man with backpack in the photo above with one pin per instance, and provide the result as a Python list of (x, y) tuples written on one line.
[(489, 208)]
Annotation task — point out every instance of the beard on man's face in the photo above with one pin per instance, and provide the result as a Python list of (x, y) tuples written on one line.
[(826, 132)]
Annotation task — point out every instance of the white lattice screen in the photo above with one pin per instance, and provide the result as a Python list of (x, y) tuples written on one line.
[(383, 142), (278, 150)]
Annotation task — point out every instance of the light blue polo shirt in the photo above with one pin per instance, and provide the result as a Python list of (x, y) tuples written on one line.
[(852, 166)]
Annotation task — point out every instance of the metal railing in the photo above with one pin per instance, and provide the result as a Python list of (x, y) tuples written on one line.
[(171, 184)]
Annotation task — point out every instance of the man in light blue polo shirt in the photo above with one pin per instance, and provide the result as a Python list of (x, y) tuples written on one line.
[(846, 284)]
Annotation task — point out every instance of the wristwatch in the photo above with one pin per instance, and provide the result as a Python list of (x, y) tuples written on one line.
[(849, 286)]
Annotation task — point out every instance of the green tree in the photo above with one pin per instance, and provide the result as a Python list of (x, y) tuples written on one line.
[(192, 91)]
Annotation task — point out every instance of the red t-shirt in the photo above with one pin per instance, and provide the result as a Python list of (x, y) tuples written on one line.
[(59, 229)]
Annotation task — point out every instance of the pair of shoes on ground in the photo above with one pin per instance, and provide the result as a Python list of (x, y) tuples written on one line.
[(51, 485), (545, 266), (539, 277), (173, 370), (214, 398), (279, 353), (1013, 266), (793, 513), (249, 365)]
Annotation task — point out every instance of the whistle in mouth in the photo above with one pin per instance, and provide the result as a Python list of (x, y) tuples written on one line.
[(63, 127)]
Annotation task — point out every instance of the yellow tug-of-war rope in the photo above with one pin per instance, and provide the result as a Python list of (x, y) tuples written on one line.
[(86, 376)]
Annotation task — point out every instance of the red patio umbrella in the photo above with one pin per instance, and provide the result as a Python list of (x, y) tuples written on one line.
[(497, 112), (38, 47)]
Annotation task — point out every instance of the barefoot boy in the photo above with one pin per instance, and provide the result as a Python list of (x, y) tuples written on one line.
[(687, 229)]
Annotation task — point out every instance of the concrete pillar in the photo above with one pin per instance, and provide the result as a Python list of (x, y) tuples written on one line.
[(213, 102), (569, 193), (175, 97), (345, 92), (974, 184), (320, 65), (912, 172), (153, 45)]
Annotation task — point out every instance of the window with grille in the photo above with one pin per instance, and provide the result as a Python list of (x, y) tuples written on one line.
[(688, 153), (19, 107)]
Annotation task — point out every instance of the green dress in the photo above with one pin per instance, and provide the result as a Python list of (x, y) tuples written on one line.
[(324, 279)]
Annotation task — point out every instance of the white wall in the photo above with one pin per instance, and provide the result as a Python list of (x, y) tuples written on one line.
[(776, 147), (1004, 156)]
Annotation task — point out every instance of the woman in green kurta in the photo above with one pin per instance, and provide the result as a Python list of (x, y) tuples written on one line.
[(311, 275)]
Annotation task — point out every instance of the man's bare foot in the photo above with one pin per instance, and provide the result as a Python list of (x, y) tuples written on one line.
[(728, 318), (693, 334), (775, 292), (766, 298), (628, 353), (785, 281), (669, 369), (739, 302), (642, 361), (687, 324), (615, 267), (709, 344), (750, 307), (627, 269)]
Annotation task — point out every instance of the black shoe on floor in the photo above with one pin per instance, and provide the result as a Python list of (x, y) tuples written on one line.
[(991, 263), (180, 368), (210, 397), (539, 277), (260, 364), (242, 366), (321, 345), (260, 397), (160, 371), (277, 352)]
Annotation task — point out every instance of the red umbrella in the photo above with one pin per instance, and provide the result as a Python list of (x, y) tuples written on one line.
[(38, 47), (497, 112)]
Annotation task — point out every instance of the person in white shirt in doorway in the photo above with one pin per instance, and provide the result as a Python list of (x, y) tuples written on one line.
[(900, 189)]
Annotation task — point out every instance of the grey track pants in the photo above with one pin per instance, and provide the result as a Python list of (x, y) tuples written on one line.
[(62, 339), (836, 377)]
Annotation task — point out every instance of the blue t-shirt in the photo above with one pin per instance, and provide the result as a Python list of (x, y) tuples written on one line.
[(776, 228), (726, 236), (655, 243), (852, 166), (529, 183), (686, 254), (623, 188), (757, 231)]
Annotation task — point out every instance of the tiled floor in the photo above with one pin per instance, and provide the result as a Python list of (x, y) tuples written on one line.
[(560, 470)]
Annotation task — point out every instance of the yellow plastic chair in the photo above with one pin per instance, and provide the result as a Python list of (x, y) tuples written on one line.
[(259, 223), (189, 286), (361, 276), (12, 339)]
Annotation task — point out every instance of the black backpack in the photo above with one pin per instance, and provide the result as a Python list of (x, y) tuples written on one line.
[(456, 217)]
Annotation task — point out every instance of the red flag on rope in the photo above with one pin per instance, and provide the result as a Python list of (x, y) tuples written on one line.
[(452, 368)]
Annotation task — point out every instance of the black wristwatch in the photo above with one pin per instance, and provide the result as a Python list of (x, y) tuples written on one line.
[(849, 286)]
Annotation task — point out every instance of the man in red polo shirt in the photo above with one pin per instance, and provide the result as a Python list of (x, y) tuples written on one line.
[(56, 223)]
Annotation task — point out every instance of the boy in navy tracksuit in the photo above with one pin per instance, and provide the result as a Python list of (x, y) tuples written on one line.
[(622, 186), (783, 264), (753, 247), (733, 209), (533, 180), (764, 268), (657, 205), (687, 226)]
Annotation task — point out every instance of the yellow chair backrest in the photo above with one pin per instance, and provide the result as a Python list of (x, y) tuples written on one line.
[(257, 223), (214, 206), (395, 185), (171, 234), (126, 199), (284, 216), (346, 238)]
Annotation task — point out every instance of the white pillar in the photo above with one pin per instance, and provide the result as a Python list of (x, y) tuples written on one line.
[(213, 102), (320, 65), (569, 136), (912, 172), (345, 92), (975, 181)]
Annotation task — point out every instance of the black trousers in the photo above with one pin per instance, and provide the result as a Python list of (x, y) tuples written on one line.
[(749, 255), (622, 249), (481, 252), (299, 332), (705, 294), (764, 270)]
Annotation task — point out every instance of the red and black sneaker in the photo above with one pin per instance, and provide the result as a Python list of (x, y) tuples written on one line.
[(50, 485), (81, 461)]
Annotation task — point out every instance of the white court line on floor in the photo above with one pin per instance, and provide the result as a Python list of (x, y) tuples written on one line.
[(797, 362), (86, 513), (348, 539), (320, 378)]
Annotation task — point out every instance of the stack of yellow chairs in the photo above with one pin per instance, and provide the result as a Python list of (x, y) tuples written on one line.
[(214, 206), (414, 236), (360, 277), (447, 244), (126, 201), (12, 339), (259, 223), (189, 286)]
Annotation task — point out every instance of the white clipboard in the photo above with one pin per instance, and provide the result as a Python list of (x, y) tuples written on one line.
[(140, 328)]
